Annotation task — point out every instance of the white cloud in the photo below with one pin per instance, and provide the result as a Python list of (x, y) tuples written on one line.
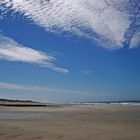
[(12, 51), (135, 42), (104, 21)]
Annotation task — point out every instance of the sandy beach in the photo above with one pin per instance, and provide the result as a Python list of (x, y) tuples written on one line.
[(83, 122)]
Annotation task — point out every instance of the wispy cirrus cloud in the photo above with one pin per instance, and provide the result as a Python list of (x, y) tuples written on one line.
[(43, 93), (10, 86), (87, 72), (110, 22), (12, 51), (34, 88)]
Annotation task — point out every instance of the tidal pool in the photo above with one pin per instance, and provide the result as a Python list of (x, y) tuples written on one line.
[(24, 115)]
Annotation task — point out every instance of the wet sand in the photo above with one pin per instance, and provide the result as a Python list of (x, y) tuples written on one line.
[(84, 122)]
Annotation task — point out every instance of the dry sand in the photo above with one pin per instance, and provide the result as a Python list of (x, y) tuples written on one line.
[(96, 122)]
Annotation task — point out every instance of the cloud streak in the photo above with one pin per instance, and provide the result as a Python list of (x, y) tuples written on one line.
[(34, 88), (12, 51), (110, 22), (44, 93)]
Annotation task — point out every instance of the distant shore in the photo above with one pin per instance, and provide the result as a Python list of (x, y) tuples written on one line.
[(20, 103), (29, 103)]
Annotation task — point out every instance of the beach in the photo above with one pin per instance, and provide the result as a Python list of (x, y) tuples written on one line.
[(70, 122)]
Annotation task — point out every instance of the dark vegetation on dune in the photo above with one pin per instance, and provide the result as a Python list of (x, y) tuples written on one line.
[(10, 102)]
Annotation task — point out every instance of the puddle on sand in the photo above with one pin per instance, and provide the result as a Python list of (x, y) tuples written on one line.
[(26, 115), (30, 115)]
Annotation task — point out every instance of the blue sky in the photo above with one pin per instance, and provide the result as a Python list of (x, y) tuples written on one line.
[(70, 51)]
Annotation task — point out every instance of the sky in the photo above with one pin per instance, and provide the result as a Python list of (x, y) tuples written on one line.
[(63, 51)]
